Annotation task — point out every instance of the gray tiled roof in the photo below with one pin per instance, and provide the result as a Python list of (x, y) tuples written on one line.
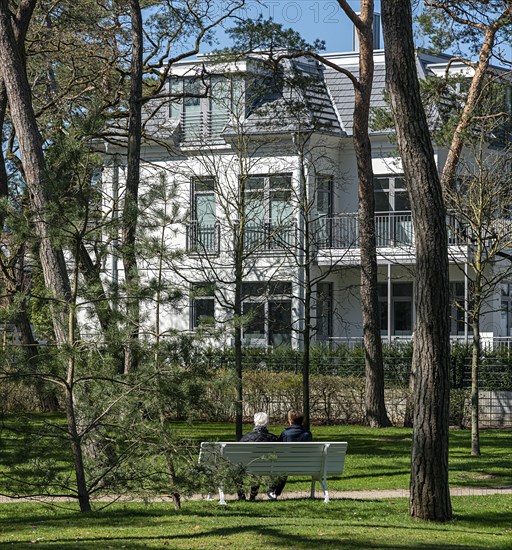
[(325, 103), (307, 107), (342, 92)]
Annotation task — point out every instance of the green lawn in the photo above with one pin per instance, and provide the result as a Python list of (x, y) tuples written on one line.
[(482, 522), (376, 459), (379, 459)]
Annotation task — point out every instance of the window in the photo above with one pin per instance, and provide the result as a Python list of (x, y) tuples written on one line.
[(323, 311), (401, 308), (263, 90), (202, 298), (393, 218), (188, 109), (204, 115), (506, 309), (324, 205), (267, 311), (268, 211), (203, 230), (457, 308)]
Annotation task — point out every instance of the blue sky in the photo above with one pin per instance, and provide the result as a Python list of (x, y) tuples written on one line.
[(313, 19)]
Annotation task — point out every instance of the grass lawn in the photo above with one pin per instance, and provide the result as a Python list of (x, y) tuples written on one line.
[(376, 459), (379, 459), (481, 522)]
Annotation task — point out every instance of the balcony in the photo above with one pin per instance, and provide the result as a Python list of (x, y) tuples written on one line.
[(269, 236), (203, 239), (393, 230)]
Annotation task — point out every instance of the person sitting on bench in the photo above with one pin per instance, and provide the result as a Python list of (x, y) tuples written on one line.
[(294, 432), (260, 433)]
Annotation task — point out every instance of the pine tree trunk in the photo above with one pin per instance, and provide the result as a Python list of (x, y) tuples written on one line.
[(430, 496), (48, 401), (4, 182), (478, 81), (31, 151), (73, 429), (76, 448), (375, 407), (131, 205)]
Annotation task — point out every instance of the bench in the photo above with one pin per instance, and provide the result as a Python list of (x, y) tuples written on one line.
[(317, 459)]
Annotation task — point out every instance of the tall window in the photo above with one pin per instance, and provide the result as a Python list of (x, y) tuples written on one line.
[(188, 110), (392, 207), (457, 300), (506, 309), (202, 304), (203, 114), (324, 311), (401, 308), (268, 211), (324, 206), (267, 311), (203, 228)]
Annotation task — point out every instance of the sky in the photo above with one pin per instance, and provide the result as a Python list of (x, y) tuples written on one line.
[(313, 19), (322, 19)]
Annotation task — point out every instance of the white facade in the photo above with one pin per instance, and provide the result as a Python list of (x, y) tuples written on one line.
[(241, 167)]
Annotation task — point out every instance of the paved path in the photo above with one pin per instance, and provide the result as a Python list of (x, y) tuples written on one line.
[(334, 495)]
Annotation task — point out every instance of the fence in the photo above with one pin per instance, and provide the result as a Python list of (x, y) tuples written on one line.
[(274, 384)]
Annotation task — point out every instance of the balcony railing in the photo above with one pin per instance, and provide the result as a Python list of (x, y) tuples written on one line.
[(269, 236), (393, 230), (488, 343), (203, 238)]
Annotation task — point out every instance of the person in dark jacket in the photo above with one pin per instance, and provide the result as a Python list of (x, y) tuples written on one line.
[(259, 434), (294, 432)]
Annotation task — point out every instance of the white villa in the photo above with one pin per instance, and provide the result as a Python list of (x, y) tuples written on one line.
[(262, 188)]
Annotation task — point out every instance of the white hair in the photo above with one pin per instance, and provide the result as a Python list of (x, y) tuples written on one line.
[(260, 419)]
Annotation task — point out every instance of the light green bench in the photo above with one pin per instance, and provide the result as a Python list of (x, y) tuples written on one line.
[(317, 459)]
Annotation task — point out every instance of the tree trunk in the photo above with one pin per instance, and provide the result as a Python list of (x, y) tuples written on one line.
[(475, 362), (76, 446), (430, 496), (4, 182), (375, 407), (175, 495), (131, 204), (409, 403), (73, 431), (478, 81), (306, 356), (24, 121), (237, 315), (47, 399), (476, 350)]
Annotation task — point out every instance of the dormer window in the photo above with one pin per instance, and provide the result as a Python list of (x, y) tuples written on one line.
[(207, 106)]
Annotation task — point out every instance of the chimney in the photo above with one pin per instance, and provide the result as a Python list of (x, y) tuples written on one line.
[(376, 34)]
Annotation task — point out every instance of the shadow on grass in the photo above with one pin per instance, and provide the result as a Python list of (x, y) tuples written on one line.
[(350, 512), (262, 536)]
